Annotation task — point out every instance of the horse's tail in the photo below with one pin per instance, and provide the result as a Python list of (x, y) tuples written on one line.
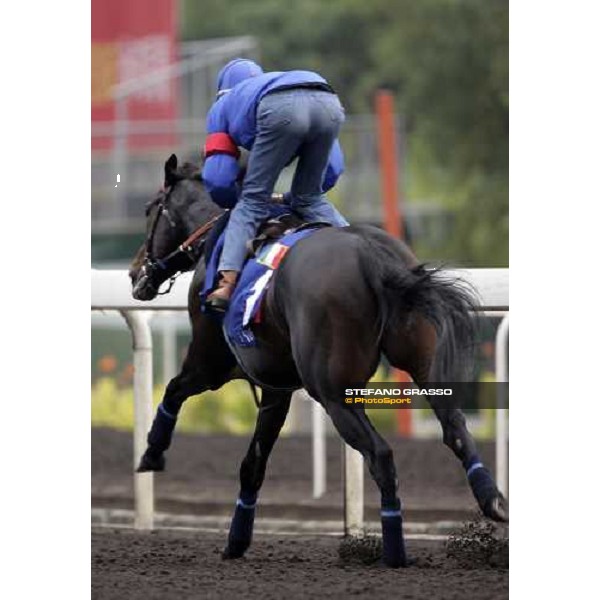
[(446, 302)]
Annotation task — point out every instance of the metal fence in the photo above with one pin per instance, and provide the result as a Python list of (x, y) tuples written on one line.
[(357, 194), (136, 150)]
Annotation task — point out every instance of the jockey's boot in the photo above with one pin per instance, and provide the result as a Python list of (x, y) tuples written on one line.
[(219, 299)]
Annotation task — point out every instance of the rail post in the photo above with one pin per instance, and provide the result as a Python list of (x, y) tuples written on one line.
[(501, 412), (353, 491), (143, 483), (319, 450)]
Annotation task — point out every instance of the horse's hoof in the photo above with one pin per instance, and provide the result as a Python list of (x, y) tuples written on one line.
[(497, 509), (151, 463), (232, 552)]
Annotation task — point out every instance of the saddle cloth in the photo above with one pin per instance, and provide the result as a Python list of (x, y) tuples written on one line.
[(252, 284)]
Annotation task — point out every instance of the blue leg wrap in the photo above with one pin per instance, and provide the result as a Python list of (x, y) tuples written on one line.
[(394, 552), (242, 524), (161, 432), (481, 482)]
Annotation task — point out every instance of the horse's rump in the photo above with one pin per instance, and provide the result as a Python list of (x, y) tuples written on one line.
[(355, 287)]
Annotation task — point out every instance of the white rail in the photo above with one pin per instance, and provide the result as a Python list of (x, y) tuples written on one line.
[(502, 412), (111, 290), (143, 483)]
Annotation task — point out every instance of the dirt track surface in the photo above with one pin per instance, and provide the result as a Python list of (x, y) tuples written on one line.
[(183, 564), (201, 477)]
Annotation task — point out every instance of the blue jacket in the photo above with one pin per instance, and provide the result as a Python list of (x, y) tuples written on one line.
[(234, 113)]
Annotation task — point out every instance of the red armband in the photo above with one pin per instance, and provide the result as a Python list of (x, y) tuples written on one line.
[(220, 143)]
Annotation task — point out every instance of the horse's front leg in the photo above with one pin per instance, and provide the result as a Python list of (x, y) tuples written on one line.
[(271, 417), (187, 383), (208, 365), (458, 438)]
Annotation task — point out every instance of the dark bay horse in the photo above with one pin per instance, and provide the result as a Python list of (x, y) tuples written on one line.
[(339, 300)]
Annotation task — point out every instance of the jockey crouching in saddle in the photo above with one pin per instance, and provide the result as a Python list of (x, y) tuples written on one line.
[(277, 116)]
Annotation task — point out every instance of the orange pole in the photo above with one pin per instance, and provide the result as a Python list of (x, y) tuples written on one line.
[(392, 216), (388, 161), (403, 415)]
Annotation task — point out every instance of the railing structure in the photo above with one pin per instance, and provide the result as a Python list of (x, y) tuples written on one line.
[(111, 290), (357, 194)]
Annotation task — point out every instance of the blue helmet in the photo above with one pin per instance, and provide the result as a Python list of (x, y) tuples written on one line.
[(234, 72)]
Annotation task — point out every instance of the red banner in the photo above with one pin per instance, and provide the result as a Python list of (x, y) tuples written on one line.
[(132, 39)]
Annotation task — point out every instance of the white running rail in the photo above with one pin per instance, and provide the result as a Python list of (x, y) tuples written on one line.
[(111, 290)]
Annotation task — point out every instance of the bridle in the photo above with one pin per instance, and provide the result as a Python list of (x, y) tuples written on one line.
[(182, 259)]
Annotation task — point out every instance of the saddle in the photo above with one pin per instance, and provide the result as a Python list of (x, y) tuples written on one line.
[(271, 230), (276, 228)]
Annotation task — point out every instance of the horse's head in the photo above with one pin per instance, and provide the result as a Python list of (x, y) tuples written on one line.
[(179, 209)]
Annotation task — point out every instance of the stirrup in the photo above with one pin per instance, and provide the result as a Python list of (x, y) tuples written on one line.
[(219, 305)]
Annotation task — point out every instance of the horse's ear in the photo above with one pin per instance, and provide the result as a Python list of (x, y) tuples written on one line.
[(171, 164), (170, 169)]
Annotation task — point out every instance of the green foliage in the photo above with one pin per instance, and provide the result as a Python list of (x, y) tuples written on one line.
[(230, 410), (448, 63)]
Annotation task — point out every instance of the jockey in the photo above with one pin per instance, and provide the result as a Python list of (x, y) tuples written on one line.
[(277, 116)]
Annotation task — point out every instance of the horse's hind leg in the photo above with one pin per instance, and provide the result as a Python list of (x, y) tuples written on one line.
[(355, 428), (357, 431), (271, 417), (458, 438), (330, 355)]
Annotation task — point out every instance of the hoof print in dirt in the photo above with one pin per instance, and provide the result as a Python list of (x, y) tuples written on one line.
[(479, 544), (421, 562), (366, 550), (151, 463)]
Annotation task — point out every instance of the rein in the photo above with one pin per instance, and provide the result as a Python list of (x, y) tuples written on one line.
[(162, 209), (186, 248), (187, 245)]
